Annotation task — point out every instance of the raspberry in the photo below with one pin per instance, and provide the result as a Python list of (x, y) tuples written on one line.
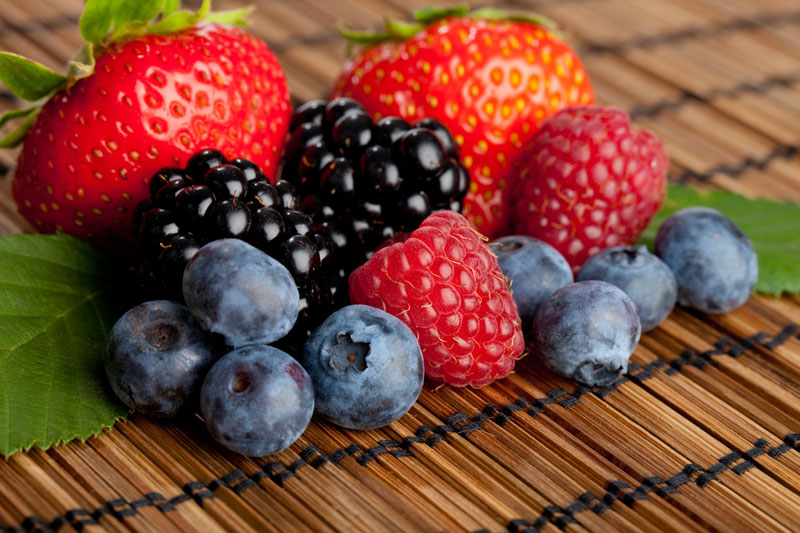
[(444, 283), (592, 182)]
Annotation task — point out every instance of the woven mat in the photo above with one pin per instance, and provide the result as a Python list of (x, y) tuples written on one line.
[(703, 433)]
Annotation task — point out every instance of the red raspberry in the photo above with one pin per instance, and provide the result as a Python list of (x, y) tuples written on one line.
[(592, 182), (444, 283)]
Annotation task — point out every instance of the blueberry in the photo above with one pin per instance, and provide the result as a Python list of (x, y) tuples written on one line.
[(240, 292), (366, 366), (587, 331), (646, 279), (713, 261), (256, 400), (156, 357), (535, 271)]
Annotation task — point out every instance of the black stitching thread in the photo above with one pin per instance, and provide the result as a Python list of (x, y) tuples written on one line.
[(461, 424), (622, 491), (734, 24), (686, 96), (783, 151)]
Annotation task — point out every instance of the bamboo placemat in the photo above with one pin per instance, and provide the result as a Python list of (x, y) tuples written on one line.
[(703, 433)]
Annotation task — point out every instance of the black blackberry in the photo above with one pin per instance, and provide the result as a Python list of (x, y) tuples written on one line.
[(348, 184), (370, 180), (213, 199)]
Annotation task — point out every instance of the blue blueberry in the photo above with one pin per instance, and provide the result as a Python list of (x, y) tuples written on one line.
[(240, 292), (535, 270), (156, 357), (366, 366), (647, 280), (257, 400), (713, 261), (587, 331)]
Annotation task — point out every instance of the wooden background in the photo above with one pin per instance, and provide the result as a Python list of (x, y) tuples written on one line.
[(702, 434)]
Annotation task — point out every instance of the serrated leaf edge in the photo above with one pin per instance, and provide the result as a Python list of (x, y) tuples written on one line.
[(82, 248)]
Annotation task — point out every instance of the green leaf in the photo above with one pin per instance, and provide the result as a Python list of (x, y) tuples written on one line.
[(132, 13), (535, 19), (402, 30), (28, 79), (96, 19), (15, 113), (170, 6), (429, 15), (489, 13), (177, 21), (363, 37), (180, 20), (82, 64), (774, 228), (233, 17), (493, 13), (58, 300), (205, 7), (15, 137)]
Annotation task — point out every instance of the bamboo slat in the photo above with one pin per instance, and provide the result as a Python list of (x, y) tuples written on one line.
[(702, 434)]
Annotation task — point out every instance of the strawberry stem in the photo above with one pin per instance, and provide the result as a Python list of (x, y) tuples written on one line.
[(429, 15), (398, 30)]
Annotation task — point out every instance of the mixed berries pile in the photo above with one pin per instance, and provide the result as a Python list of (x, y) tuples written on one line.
[(359, 250), (212, 198), (355, 184)]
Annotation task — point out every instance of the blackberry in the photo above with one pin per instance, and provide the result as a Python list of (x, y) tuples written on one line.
[(370, 180), (347, 185), (215, 199)]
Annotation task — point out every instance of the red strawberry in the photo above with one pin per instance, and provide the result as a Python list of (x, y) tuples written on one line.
[(592, 183), (444, 282), (151, 102), (491, 82)]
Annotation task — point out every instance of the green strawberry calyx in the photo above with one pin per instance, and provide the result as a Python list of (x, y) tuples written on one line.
[(400, 30), (103, 23)]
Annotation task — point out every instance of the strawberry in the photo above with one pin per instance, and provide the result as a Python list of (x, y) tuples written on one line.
[(591, 184), (492, 78), (155, 94), (443, 281)]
